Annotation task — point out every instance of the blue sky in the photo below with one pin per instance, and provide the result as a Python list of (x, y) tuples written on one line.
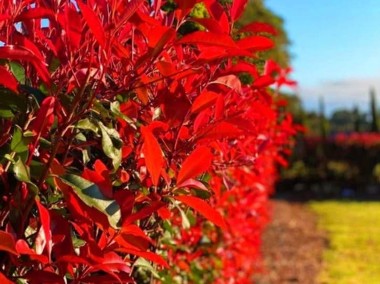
[(336, 48)]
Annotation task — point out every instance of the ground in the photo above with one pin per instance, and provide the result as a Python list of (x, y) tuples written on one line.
[(292, 245)]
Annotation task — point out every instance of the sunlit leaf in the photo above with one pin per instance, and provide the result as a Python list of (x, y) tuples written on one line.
[(92, 196)]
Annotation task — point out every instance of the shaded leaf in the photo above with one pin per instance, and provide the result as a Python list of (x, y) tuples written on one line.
[(204, 209), (35, 277), (7, 243), (100, 176), (21, 171), (5, 280)]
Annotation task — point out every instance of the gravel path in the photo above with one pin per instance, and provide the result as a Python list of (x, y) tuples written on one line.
[(292, 245)]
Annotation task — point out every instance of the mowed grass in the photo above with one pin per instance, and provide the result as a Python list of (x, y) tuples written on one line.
[(353, 230)]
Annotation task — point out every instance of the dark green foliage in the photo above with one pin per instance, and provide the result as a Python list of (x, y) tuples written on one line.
[(373, 109)]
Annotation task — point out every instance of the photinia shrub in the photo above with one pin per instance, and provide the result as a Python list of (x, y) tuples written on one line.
[(131, 151)]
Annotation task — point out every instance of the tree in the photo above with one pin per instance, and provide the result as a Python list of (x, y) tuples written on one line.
[(373, 108), (258, 12)]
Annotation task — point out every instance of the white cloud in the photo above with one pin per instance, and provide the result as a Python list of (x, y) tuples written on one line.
[(340, 94)]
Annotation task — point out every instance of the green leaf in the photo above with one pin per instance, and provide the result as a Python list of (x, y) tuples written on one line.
[(185, 220), (6, 113), (21, 171), (115, 109), (12, 102), (111, 144), (91, 195), (86, 124), (19, 142), (144, 264), (18, 71)]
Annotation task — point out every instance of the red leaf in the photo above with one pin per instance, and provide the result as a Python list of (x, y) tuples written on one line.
[(44, 120), (13, 52), (210, 24), (44, 236), (100, 176), (204, 100), (8, 80), (35, 277), (263, 81), (164, 213), (221, 130), (154, 159), (5, 280), (231, 81), (204, 209), (35, 13), (166, 68), (147, 255), (93, 23), (242, 67), (208, 38), (22, 247), (258, 27), (255, 43), (198, 162), (7, 243), (143, 213), (112, 262), (237, 8), (192, 183), (108, 279)]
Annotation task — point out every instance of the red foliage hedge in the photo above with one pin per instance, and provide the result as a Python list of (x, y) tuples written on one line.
[(130, 149)]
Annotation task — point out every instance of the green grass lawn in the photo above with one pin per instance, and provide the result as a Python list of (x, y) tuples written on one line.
[(353, 229)]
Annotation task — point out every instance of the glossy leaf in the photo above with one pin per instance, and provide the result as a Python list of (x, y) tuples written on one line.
[(21, 171), (255, 43), (207, 38), (204, 209), (198, 162), (93, 22), (204, 100), (5, 280), (8, 80), (92, 196), (35, 13), (258, 27), (221, 130), (7, 243), (45, 117), (13, 52), (237, 8), (153, 155), (111, 144), (19, 142), (44, 235)]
